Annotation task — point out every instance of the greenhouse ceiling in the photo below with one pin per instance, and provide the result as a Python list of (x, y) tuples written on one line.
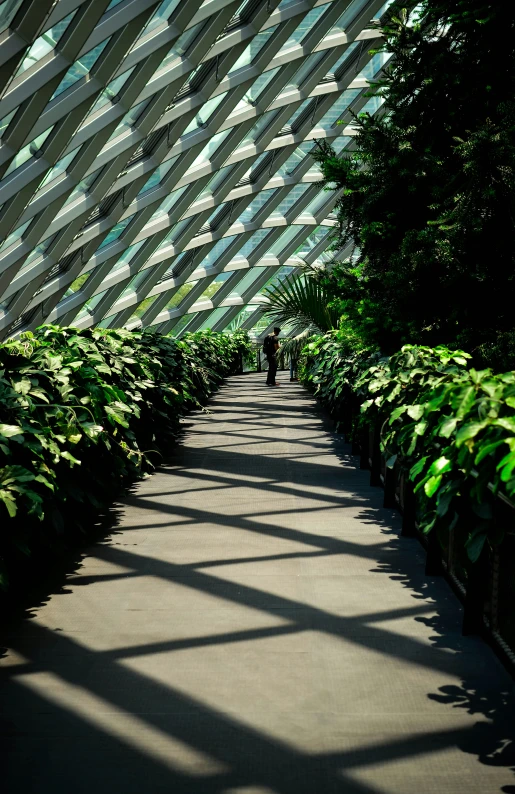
[(155, 164)]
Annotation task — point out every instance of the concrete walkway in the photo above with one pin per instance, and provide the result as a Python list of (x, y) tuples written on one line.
[(254, 625)]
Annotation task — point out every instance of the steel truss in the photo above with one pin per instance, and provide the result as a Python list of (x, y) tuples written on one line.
[(155, 165)]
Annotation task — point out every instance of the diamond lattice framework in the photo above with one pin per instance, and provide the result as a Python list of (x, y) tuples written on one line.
[(155, 165)]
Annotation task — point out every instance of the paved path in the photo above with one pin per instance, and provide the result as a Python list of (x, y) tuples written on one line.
[(255, 625)]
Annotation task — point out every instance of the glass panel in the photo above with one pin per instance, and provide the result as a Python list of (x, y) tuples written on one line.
[(161, 15), (246, 282), (8, 10), (295, 158), (142, 307), (318, 234), (318, 201), (28, 151), (129, 120), (337, 68), (279, 275), (89, 306), (59, 168), (258, 128), (260, 84), (80, 68), (252, 243), (215, 182), (291, 199), (4, 123), (283, 240), (115, 232), (82, 187), (254, 169), (208, 151), (330, 118), (158, 175), (373, 104), (165, 207), (214, 286), (180, 47), (76, 285), (180, 326), (38, 251), (383, 9), (216, 251), (14, 237), (301, 108), (214, 317), (348, 16), (111, 90), (300, 76), (178, 297), (204, 114), (305, 26), (241, 318), (255, 46), (374, 65), (340, 143), (127, 256), (255, 205), (44, 44)]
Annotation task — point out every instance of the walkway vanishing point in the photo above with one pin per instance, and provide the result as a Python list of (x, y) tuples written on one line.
[(254, 625)]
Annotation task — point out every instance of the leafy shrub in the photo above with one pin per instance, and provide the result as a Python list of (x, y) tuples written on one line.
[(450, 427), (83, 413)]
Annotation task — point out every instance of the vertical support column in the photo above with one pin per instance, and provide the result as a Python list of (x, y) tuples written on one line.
[(364, 442), (409, 508), (375, 469), (390, 481), (494, 596), (434, 565), (475, 595)]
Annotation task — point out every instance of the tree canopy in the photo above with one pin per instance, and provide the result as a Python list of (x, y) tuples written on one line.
[(429, 191)]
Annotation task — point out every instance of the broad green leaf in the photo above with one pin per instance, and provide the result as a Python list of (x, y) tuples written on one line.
[(447, 428), (8, 431), (440, 466), (92, 430), (432, 484), (23, 386), (507, 422), (469, 431), (418, 468), (421, 428), (415, 411), (487, 450), (474, 545), (68, 456), (467, 401)]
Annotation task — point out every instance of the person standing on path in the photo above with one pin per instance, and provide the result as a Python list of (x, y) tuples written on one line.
[(270, 349)]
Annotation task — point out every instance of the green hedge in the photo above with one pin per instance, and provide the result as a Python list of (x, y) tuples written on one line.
[(83, 414), (451, 427)]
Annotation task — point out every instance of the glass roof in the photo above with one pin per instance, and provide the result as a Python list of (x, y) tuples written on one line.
[(152, 154)]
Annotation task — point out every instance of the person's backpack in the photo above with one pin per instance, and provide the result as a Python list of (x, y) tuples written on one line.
[(268, 345)]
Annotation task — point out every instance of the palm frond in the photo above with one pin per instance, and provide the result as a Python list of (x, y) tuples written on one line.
[(301, 300)]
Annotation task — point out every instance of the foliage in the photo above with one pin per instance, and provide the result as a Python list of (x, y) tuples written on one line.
[(451, 427), (429, 192), (302, 299), (331, 365), (83, 413)]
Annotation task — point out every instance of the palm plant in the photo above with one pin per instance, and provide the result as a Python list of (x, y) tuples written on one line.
[(302, 300)]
